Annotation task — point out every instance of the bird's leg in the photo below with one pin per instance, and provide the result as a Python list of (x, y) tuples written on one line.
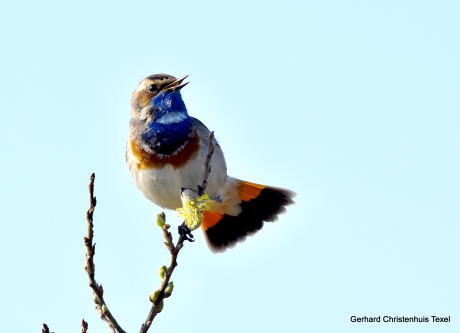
[(185, 232), (199, 190), (216, 198)]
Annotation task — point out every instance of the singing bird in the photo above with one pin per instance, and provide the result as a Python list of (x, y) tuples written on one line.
[(166, 151)]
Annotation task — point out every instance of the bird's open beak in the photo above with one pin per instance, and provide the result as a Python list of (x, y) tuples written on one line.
[(176, 85)]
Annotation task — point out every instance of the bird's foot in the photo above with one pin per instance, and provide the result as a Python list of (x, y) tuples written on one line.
[(185, 232)]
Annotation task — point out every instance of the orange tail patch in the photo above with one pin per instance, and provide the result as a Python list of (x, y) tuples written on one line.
[(259, 204), (210, 219), (248, 191)]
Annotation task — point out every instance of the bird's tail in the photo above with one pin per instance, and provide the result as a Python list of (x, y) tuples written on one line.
[(243, 211)]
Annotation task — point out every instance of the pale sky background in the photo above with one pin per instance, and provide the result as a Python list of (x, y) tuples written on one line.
[(354, 105)]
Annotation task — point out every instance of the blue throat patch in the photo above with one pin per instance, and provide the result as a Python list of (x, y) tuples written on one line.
[(164, 135)]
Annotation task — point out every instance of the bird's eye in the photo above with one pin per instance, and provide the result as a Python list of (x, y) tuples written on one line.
[(153, 88)]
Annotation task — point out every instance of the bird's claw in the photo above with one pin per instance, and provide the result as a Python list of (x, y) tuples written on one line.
[(185, 233)]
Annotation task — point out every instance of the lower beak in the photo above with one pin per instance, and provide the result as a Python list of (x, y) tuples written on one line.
[(177, 85)]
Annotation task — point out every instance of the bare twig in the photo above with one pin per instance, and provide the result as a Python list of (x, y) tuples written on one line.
[(207, 165), (45, 329), (84, 326), (98, 291), (174, 250), (104, 318)]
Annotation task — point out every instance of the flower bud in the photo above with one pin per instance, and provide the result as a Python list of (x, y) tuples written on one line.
[(104, 309), (154, 295), (161, 219), (160, 306), (169, 289), (163, 270)]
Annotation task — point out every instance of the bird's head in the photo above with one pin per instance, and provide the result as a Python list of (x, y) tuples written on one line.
[(159, 118), (157, 98)]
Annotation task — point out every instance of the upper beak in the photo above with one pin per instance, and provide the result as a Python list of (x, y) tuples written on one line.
[(176, 85)]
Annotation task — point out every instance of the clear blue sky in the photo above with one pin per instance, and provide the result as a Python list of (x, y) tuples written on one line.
[(352, 104)]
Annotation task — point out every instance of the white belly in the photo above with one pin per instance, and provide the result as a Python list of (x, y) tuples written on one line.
[(162, 186)]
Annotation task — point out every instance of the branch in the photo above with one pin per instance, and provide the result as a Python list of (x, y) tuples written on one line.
[(45, 329), (161, 292), (84, 326), (90, 268), (207, 165)]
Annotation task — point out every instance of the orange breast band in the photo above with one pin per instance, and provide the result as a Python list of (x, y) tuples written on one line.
[(146, 160)]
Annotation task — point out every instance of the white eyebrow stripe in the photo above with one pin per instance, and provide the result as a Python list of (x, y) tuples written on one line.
[(141, 86), (172, 118)]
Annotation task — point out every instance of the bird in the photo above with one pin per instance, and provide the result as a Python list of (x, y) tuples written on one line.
[(166, 152)]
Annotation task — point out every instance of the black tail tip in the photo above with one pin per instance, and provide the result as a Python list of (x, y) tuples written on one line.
[(230, 230)]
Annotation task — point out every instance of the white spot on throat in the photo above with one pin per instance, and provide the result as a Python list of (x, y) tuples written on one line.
[(172, 118)]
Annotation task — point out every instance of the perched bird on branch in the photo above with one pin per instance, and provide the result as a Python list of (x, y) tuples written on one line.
[(166, 152)]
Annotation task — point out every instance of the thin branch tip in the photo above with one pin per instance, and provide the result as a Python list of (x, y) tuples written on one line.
[(84, 326), (98, 291)]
